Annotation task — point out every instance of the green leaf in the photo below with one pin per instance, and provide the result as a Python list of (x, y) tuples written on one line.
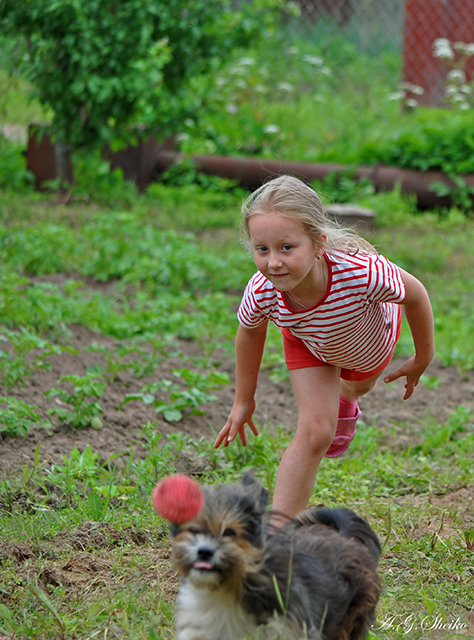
[(96, 423), (430, 605), (172, 415)]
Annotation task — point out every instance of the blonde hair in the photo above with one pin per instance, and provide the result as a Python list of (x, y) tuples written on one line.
[(289, 196)]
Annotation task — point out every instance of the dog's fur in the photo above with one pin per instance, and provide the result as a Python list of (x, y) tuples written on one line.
[(314, 578)]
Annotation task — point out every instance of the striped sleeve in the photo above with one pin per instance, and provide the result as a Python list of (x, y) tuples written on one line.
[(385, 283), (250, 314)]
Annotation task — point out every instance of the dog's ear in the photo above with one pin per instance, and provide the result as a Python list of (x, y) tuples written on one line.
[(255, 490)]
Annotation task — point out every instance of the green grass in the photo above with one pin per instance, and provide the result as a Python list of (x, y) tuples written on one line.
[(84, 552)]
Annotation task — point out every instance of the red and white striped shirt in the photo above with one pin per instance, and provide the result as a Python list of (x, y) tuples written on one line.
[(354, 326)]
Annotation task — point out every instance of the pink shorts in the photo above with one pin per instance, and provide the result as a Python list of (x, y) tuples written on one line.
[(298, 356)]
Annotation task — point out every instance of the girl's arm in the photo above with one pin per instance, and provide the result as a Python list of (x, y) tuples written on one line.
[(419, 315), (249, 344)]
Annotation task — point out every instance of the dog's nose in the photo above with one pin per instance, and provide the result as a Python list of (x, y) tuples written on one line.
[(205, 553)]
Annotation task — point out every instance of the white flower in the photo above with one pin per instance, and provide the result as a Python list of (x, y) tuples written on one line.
[(293, 51), (412, 88), (442, 49), (326, 70), (465, 48), (182, 137), (314, 60), (271, 128), (411, 103), (232, 108), (456, 75), (240, 83), (247, 61), (285, 86), (210, 146), (397, 95), (450, 90), (444, 54)]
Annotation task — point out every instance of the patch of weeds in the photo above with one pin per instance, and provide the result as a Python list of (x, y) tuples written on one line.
[(17, 417), (82, 479), (13, 370), (13, 174), (40, 247), (174, 398), (442, 460), (343, 187), (461, 193), (440, 437), (261, 456), (94, 180), (184, 172), (81, 412), (469, 539), (151, 351), (430, 382), (160, 456)]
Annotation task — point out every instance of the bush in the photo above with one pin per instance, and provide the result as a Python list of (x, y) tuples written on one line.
[(13, 173)]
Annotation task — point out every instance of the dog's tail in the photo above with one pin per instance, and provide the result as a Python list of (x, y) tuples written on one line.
[(346, 522)]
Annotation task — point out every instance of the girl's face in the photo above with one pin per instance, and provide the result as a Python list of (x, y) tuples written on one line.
[(284, 252)]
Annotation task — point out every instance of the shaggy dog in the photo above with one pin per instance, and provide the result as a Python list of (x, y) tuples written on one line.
[(314, 578)]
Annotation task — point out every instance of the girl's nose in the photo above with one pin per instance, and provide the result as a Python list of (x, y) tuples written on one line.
[(274, 260)]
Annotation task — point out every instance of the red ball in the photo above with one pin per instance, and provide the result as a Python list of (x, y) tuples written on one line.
[(177, 498)]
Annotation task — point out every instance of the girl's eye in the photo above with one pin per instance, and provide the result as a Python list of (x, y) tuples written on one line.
[(262, 249), (287, 247)]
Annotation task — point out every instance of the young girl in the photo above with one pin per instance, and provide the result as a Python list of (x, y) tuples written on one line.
[(336, 302)]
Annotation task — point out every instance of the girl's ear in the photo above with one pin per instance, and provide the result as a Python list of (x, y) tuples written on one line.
[(321, 244)]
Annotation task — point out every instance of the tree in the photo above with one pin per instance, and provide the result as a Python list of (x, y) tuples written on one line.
[(114, 69)]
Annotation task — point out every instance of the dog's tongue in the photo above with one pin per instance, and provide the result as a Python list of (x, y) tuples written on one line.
[(203, 565)]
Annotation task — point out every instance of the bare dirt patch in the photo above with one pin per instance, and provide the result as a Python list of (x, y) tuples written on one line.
[(275, 405)]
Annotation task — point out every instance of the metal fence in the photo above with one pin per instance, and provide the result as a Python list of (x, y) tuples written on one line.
[(409, 27), (372, 24)]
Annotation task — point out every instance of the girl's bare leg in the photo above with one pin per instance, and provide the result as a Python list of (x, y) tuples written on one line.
[(353, 389), (316, 392)]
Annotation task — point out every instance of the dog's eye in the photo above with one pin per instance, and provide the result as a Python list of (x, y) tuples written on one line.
[(229, 532), (193, 530)]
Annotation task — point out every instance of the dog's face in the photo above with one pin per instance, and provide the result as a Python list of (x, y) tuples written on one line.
[(224, 542)]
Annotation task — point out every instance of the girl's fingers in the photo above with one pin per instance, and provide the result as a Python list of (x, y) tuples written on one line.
[(243, 437), (227, 435), (253, 427), (398, 373), (221, 436)]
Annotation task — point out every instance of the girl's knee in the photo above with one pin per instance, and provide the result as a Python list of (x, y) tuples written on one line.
[(353, 389), (314, 438)]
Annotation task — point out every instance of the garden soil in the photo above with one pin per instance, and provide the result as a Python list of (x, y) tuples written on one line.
[(400, 422)]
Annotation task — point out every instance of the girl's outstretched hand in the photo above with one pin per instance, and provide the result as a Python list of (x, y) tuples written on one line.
[(413, 370), (235, 425)]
